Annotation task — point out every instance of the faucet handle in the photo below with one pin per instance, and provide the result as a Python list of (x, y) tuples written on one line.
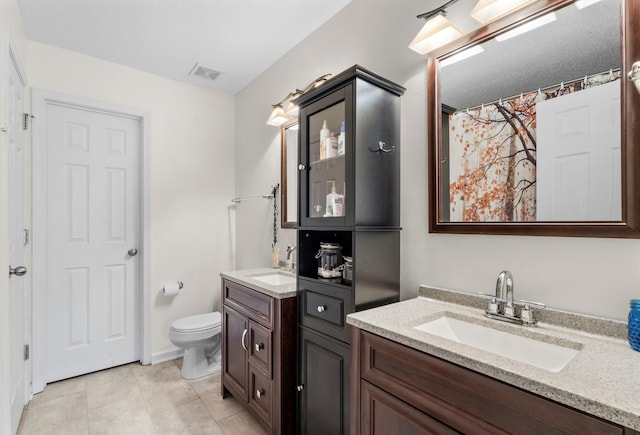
[(493, 303), (526, 314), (526, 304)]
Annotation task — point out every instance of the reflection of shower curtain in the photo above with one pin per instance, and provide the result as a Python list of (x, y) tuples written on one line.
[(492, 180), (492, 156)]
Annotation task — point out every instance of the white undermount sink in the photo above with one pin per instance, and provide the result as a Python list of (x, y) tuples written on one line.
[(275, 278), (548, 356)]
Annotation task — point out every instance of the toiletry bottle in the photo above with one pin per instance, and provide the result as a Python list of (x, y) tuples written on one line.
[(331, 201), (332, 145), (341, 140), (338, 204), (324, 136)]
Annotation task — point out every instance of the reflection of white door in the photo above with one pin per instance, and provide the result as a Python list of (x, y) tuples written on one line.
[(17, 242), (578, 156), (93, 286)]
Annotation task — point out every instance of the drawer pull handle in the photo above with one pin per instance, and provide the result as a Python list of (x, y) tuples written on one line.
[(259, 347), (259, 393), (244, 335), (321, 308)]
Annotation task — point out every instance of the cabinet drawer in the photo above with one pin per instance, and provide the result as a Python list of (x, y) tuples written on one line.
[(260, 394), (463, 399), (325, 308), (254, 304), (260, 347)]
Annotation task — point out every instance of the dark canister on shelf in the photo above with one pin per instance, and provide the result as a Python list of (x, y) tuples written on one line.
[(634, 324)]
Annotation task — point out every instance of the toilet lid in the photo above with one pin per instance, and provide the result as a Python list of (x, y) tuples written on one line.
[(198, 322)]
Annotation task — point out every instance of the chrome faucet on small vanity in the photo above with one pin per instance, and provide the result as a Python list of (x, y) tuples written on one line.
[(290, 265), (502, 306)]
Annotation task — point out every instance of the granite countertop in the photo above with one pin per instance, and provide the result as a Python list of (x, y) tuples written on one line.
[(248, 277), (603, 379)]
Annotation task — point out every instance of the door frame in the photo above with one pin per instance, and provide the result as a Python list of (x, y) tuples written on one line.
[(40, 100)]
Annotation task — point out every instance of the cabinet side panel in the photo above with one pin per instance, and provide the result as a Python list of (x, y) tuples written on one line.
[(377, 173), (376, 268)]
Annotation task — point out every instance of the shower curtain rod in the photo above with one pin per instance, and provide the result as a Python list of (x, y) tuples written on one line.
[(611, 72)]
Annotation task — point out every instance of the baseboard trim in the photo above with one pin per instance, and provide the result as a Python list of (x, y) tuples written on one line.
[(168, 355)]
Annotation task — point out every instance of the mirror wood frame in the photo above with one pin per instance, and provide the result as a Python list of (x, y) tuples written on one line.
[(285, 185), (629, 225)]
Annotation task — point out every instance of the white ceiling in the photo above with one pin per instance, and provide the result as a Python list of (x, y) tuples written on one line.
[(239, 38)]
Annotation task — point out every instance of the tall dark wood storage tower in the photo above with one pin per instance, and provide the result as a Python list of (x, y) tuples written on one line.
[(349, 202)]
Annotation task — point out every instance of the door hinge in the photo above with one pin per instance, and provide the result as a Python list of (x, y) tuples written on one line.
[(26, 237), (26, 352)]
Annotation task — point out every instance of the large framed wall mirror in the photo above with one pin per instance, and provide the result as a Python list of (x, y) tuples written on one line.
[(537, 132), (289, 174)]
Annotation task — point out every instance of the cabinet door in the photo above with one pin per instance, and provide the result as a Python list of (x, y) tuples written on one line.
[(381, 413), (235, 353), (323, 404), (326, 178)]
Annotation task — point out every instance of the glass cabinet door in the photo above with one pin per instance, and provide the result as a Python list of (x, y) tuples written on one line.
[(327, 163)]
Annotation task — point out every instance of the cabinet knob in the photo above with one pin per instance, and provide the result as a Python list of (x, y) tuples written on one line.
[(302, 167), (259, 393), (259, 347), (321, 308), (300, 387)]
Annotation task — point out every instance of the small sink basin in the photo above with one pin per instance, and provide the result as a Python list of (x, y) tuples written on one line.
[(275, 278), (548, 356)]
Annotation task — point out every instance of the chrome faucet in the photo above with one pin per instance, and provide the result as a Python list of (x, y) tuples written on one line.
[(504, 291), (290, 264), (502, 305)]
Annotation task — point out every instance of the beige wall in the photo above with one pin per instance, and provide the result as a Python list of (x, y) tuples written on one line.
[(593, 276), (191, 164)]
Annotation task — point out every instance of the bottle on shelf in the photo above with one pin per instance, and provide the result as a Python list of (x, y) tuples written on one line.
[(332, 145), (324, 137), (334, 202), (341, 140)]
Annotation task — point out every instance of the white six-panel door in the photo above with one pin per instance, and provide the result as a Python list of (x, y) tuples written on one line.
[(93, 286), (578, 156), (17, 242)]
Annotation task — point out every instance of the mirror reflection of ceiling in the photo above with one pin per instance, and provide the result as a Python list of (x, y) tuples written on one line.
[(580, 42)]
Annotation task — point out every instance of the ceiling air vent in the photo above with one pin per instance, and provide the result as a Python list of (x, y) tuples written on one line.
[(204, 72)]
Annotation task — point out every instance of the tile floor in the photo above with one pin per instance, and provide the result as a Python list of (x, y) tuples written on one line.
[(137, 399)]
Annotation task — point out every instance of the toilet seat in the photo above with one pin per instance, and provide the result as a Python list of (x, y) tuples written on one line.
[(210, 322)]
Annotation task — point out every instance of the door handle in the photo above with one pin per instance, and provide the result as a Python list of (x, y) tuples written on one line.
[(244, 334), (18, 271), (132, 252)]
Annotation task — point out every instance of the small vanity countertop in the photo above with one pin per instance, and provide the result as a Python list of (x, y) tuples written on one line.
[(602, 380), (245, 278)]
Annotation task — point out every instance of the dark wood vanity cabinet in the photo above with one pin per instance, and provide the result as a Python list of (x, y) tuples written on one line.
[(363, 110), (258, 364), (396, 389)]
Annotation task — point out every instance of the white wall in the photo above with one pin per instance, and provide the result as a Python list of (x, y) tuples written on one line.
[(191, 165), (592, 276)]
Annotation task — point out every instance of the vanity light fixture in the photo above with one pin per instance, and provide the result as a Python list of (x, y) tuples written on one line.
[(527, 27), (488, 10), (465, 54), (279, 115), (581, 4), (634, 75), (436, 32)]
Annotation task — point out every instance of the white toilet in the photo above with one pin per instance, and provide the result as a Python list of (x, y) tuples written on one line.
[(201, 340)]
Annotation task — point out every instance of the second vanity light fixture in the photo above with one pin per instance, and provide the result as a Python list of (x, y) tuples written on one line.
[(439, 31), (287, 109)]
